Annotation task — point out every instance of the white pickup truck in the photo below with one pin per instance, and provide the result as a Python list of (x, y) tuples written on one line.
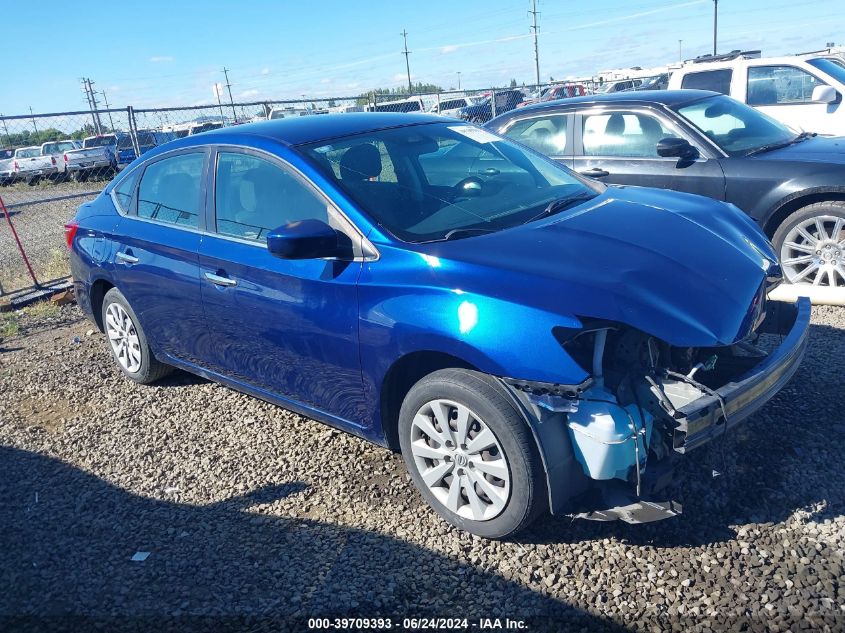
[(56, 150), (97, 157), (7, 160), (28, 164)]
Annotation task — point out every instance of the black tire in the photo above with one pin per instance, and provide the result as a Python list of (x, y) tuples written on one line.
[(832, 208), (484, 397), (151, 368)]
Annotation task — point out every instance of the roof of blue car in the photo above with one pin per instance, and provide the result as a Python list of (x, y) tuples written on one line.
[(313, 128)]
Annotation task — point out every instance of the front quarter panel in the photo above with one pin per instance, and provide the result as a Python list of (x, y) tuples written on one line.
[(407, 305)]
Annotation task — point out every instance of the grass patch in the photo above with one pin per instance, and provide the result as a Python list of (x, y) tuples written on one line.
[(57, 266), (43, 309), (9, 325)]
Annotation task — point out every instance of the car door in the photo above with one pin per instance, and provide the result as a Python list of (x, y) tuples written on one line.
[(619, 146), (156, 261), (288, 327), (549, 133), (785, 93)]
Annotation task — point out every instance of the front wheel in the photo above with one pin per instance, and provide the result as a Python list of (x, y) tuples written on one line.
[(811, 245), (128, 342), (470, 453)]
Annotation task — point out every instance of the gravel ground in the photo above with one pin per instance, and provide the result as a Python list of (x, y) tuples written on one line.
[(255, 518), (40, 229)]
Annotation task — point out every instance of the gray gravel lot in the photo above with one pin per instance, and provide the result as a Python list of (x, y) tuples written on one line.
[(257, 518), (40, 229)]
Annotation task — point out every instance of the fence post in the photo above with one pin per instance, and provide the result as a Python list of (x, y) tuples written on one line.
[(20, 246), (133, 130), (438, 102), (493, 102)]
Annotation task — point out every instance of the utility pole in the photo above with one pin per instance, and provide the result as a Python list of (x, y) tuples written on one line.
[(218, 88), (715, 22), (459, 80), (92, 104), (680, 49), (6, 129), (407, 64), (106, 101), (33, 120), (231, 101), (534, 14)]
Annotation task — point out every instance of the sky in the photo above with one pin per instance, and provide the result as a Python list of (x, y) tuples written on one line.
[(170, 53)]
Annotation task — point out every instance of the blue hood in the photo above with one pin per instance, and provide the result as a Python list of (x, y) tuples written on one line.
[(686, 269)]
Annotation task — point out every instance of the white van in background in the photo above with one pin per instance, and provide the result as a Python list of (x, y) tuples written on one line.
[(804, 93)]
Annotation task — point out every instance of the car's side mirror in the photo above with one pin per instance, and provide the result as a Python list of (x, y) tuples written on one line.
[(673, 146), (824, 94), (306, 239)]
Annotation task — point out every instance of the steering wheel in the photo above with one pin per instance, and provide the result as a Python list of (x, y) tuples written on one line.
[(470, 187)]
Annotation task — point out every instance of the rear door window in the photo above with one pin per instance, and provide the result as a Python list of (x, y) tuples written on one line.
[(546, 134), (715, 80), (170, 190)]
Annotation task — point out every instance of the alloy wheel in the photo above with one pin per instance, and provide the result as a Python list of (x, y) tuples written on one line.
[(123, 338), (460, 460), (814, 252)]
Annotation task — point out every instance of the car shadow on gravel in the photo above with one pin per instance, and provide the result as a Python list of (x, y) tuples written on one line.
[(786, 458), (69, 538)]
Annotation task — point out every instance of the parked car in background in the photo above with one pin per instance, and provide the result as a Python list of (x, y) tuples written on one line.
[(97, 158), (520, 333), (56, 150), (293, 111), (7, 169), (482, 111), (658, 82), (618, 85), (411, 104), (29, 165), (705, 143), (147, 140), (803, 93), (451, 106), (551, 93)]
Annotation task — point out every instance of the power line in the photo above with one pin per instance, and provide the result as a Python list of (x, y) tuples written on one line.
[(534, 13), (407, 64), (229, 88)]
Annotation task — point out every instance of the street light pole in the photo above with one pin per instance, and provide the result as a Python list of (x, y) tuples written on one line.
[(407, 64), (680, 50), (715, 23), (459, 80)]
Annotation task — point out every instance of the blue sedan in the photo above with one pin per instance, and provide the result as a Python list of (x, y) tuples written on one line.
[(529, 339)]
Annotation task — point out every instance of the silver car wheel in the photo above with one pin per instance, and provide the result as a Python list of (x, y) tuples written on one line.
[(123, 338), (460, 460), (812, 252)]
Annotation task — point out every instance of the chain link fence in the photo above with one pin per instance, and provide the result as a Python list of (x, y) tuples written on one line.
[(52, 163)]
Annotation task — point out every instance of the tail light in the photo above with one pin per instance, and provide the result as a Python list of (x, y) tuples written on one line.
[(70, 232), (66, 158), (53, 158), (15, 166)]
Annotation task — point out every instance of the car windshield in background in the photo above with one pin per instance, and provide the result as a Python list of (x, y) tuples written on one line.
[(99, 141), (735, 127), (6, 153), (829, 67), (445, 181), (30, 152), (125, 142)]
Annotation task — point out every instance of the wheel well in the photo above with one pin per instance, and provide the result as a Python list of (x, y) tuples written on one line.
[(793, 205), (403, 375), (98, 292)]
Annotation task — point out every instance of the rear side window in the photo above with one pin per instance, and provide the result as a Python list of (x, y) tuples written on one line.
[(715, 80), (545, 134), (124, 191), (775, 85), (254, 196), (170, 190), (631, 134)]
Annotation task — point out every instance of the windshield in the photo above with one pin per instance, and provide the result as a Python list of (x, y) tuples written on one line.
[(735, 127), (830, 67), (99, 141), (59, 147), (443, 181), (6, 153), (29, 152)]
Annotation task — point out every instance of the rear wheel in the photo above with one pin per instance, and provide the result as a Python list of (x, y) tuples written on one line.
[(471, 454), (128, 342), (811, 245)]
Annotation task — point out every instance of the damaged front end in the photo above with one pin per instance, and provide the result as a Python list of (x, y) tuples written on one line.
[(608, 444)]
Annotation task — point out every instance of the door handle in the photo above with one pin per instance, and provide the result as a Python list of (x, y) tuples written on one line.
[(126, 258), (595, 172), (217, 280)]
